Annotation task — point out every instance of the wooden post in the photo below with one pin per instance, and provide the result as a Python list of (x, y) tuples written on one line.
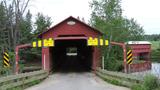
[(102, 62), (17, 59), (124, 58)]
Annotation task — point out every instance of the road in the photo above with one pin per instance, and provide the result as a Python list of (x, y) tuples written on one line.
[(75, 81)]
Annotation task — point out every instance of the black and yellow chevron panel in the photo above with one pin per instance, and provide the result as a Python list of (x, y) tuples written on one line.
[(129, 57), (6, 62)]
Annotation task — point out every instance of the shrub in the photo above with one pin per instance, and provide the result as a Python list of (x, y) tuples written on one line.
[(114, 65), (150, 82)]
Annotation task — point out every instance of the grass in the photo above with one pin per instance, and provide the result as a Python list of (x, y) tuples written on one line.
[(110, 80), (155, 45), (22, 87), (155, 57), (150, 83)]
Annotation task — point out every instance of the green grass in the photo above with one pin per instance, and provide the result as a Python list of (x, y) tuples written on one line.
[(155, 54), (155, 45), (150, 83), (22, 87)]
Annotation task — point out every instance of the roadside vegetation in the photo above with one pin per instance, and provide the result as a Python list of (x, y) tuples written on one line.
[(151, 82), (148, 82)]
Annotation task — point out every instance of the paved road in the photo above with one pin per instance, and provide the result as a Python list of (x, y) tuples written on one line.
[(75, 81)]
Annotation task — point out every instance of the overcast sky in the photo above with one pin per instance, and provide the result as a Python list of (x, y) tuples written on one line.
[(145, 12)]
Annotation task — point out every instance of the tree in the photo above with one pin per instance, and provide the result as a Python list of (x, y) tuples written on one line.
[(3, 31), (107, 17), (14, 10), (136, 32), (26, 28), (42, 23)]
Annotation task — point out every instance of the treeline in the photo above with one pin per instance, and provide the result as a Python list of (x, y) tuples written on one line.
[(16, 25), (153, 37)]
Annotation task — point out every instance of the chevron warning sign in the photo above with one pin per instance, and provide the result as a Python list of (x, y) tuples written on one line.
[(6, 62), (129, 57)]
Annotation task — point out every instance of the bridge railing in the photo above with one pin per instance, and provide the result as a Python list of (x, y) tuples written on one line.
[(13, 81), (119, 78)]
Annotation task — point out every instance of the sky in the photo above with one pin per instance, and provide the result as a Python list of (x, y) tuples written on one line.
[(145, 12)]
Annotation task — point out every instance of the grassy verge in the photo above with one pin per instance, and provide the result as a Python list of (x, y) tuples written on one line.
[(22, 87), (118, 78), (110, 80), (150, 83)]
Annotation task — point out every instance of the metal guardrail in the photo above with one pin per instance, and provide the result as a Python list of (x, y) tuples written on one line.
[(123, 78), (12, 81)]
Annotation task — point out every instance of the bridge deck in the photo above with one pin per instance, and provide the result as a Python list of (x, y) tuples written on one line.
[(75, 81)]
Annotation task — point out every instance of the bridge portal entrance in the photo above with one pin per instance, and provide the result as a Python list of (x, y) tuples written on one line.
[(71, 56)]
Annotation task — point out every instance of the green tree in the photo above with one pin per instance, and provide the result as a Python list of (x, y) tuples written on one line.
[(2, 29), (26, 29), (42, 23), (107, 17), (136, 32)]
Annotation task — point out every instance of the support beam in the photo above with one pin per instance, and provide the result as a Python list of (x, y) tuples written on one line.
[(17, 56), (123, 45)]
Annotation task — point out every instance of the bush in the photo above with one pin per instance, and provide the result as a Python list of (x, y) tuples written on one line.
[(114, 65), (150, 83)]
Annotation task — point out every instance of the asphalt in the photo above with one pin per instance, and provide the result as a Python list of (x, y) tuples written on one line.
[(75, 81)]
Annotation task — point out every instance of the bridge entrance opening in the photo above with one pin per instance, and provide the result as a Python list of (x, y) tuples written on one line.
[(71, 56)]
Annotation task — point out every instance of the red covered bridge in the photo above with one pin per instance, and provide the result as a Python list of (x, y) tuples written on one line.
[(70, 37)]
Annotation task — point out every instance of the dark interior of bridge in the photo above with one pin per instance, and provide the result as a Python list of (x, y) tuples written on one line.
[(71, 56)]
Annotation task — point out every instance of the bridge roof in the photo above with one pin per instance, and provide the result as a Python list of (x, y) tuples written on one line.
[(77, 20)]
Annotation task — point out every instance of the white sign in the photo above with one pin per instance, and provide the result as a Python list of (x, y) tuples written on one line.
[(71, 22)]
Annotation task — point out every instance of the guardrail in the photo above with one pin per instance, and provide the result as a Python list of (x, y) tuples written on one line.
[(119, 78), (13, 81)]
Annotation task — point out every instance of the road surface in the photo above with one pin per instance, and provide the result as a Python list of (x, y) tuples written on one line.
[(75, 81)]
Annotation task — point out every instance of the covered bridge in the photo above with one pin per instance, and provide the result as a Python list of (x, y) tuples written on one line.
[(70, 51)]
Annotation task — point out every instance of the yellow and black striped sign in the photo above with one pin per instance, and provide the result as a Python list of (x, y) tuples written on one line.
[(6, 62), (129, 57)]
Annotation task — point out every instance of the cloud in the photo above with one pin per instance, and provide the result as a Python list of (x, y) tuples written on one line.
[(146, 12)]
